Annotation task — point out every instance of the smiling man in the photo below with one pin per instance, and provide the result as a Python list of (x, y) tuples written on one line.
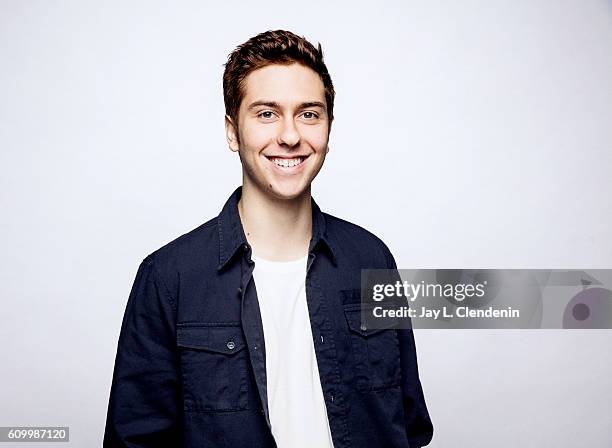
[(245, 332)]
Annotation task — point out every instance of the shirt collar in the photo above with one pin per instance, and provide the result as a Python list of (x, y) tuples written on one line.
[(232, 237)]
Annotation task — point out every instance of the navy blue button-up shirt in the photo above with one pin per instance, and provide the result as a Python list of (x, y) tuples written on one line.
[(190, 365)]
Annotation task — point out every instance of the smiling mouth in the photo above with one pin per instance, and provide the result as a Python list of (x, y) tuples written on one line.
[(282, 162)]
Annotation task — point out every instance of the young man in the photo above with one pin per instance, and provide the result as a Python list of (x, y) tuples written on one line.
[(246, 332)]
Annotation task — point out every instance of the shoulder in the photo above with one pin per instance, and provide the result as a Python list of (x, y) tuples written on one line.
[(355, 241), (196, 248)]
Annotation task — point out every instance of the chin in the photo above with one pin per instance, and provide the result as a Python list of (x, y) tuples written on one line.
[(288, 192)]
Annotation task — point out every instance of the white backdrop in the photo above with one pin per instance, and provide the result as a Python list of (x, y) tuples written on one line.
[(468, 134)]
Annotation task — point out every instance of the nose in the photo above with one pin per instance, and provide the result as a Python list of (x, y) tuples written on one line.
[(288, 134)]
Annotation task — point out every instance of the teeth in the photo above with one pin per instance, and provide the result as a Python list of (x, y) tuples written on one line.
[(287, 163)]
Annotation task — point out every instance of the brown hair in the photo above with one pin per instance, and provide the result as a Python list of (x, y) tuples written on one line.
[(271, 47)]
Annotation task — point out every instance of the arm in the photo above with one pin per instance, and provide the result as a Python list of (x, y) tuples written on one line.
[(144, 405), (419, 428)]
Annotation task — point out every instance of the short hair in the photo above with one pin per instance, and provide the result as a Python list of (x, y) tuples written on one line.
[(267, 48)]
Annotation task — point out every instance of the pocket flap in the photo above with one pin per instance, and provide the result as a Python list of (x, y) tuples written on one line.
[(353, 318), (214, 338)]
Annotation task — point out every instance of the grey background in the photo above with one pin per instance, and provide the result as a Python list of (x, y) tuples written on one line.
[(468, 134)]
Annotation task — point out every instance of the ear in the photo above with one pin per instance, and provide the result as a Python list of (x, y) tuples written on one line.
[(231, 134)]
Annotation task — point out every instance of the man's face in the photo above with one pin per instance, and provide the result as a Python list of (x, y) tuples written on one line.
[(282, 129)]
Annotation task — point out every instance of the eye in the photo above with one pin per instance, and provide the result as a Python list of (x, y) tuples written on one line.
[(309, 115), (266, 114)]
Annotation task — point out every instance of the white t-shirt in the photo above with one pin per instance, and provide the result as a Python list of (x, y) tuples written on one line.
[(295, 399)]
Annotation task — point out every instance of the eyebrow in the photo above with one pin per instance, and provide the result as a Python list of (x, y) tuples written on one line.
[(275, 105)]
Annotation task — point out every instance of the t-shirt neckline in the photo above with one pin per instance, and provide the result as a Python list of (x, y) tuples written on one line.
[(279, 266)]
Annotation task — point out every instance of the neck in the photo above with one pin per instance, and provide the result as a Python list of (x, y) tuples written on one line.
[(276, 229)]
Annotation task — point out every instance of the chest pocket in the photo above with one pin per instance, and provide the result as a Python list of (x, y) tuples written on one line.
[(375, 353), (214, 366)]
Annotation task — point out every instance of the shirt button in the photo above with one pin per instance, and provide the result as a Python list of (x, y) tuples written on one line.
[(231, 345), (239, 291), (363, 327)]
